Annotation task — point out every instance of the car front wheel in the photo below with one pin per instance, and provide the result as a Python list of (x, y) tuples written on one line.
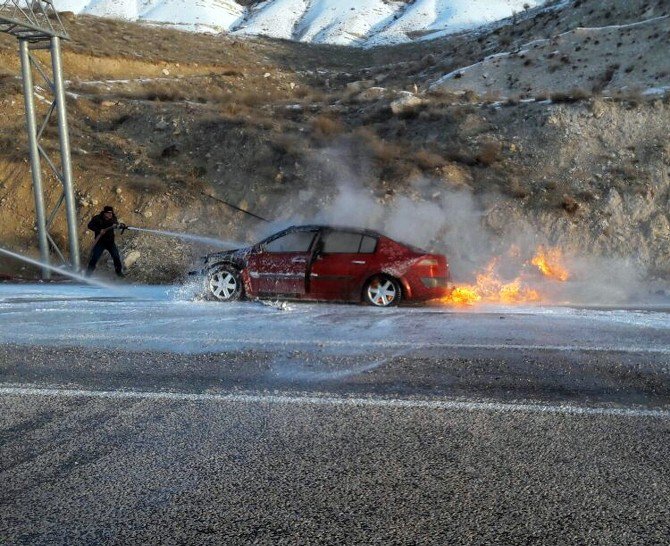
[(382, 291), (224, 283)]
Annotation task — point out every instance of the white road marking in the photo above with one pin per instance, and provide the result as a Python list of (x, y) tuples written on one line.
[(311, 400)]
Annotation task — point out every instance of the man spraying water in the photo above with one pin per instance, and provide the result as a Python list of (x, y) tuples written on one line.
[(103, 225)]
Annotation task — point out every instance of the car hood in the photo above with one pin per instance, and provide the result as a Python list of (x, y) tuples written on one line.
[(237, 253)]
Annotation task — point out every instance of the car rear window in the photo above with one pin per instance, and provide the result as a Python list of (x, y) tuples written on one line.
[(368, 245), (341, 242), (296, 241), (344, 242)]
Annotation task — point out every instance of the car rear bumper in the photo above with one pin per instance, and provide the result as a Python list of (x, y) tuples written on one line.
[(435, 282), (429, 288)]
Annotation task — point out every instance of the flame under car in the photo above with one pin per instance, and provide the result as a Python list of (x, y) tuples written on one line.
[(324, 263)]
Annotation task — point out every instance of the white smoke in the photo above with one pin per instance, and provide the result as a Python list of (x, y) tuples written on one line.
[(454, 222)]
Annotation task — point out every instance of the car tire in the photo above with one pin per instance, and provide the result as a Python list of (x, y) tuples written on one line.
[(382, 291), (224, 283)]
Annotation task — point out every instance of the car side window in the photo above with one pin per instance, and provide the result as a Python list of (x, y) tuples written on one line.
[(341, 242), (368, 245), (295, 241)]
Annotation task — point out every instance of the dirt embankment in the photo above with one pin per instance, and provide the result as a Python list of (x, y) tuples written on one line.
[(164, 135)]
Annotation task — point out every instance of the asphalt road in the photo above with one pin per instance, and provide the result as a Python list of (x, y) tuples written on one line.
[(484, 436)]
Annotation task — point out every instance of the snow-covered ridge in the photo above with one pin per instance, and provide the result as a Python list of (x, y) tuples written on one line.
[(344, 22)]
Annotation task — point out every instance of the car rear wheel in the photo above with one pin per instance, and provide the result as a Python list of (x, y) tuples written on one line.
[(224, 283), (382, 291)]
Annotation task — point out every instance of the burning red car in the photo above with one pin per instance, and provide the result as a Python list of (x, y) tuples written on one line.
[(324, 263)]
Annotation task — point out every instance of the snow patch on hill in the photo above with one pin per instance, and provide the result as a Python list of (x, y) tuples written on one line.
[(218, 15), (276, 19), (345, 22), (426, 17)]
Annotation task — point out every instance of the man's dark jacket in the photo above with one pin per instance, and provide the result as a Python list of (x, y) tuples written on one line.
[(98, 223)]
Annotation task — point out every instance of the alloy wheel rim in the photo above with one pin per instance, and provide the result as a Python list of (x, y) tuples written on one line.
[(382, 293), (223, 285)]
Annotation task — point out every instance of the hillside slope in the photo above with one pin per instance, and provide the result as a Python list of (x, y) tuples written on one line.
[(167, 126), (619, 58)]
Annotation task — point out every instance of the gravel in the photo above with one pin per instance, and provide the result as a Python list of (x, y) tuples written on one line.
[(81, 469)]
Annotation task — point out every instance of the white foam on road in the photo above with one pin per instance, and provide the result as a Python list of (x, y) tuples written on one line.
[(166, 318), (313, 400), (427, 345)]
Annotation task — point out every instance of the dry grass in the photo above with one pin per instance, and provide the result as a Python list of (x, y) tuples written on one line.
[(459, 154), (252, 98), (491, 96), (116, 39), (574, 95), (517, 188), (85, 65), (634, 96), (569, 204), (440, 97), (164, 90), (630, 172), (288, 144), (9, 84), (325, 127), (489, 153), (205, 90), (382, 150), (428, 160)]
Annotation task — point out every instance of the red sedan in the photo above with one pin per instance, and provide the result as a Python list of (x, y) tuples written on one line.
[(323, 263)]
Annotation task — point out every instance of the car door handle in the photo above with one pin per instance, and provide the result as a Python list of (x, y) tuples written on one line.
[(298, 261), (358, 262)]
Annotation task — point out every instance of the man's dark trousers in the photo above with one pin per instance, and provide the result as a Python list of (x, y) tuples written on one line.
[(97, 251)]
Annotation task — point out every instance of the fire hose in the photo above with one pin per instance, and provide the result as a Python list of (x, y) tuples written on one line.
[(121, 227)]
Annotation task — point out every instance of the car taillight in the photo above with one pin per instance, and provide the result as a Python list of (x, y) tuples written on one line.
[(429, 262)]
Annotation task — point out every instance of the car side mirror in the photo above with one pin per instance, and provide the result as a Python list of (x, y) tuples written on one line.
[(319, 249)]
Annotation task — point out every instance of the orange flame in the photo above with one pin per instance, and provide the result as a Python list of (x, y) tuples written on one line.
[(464, 295), (491, 288), (550, 262)]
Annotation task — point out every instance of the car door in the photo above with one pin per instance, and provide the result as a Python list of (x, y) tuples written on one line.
[(279, 265), (338, 265)]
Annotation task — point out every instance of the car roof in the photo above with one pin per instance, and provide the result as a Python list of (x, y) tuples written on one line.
[(362, 231)]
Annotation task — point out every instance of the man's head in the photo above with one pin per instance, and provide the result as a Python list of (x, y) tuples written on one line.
[(108, 212)]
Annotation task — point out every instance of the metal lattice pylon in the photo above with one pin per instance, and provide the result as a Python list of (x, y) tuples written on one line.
[(36, 25), (37, 20)]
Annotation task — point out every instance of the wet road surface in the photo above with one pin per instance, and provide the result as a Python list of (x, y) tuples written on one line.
[(148, 417)]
